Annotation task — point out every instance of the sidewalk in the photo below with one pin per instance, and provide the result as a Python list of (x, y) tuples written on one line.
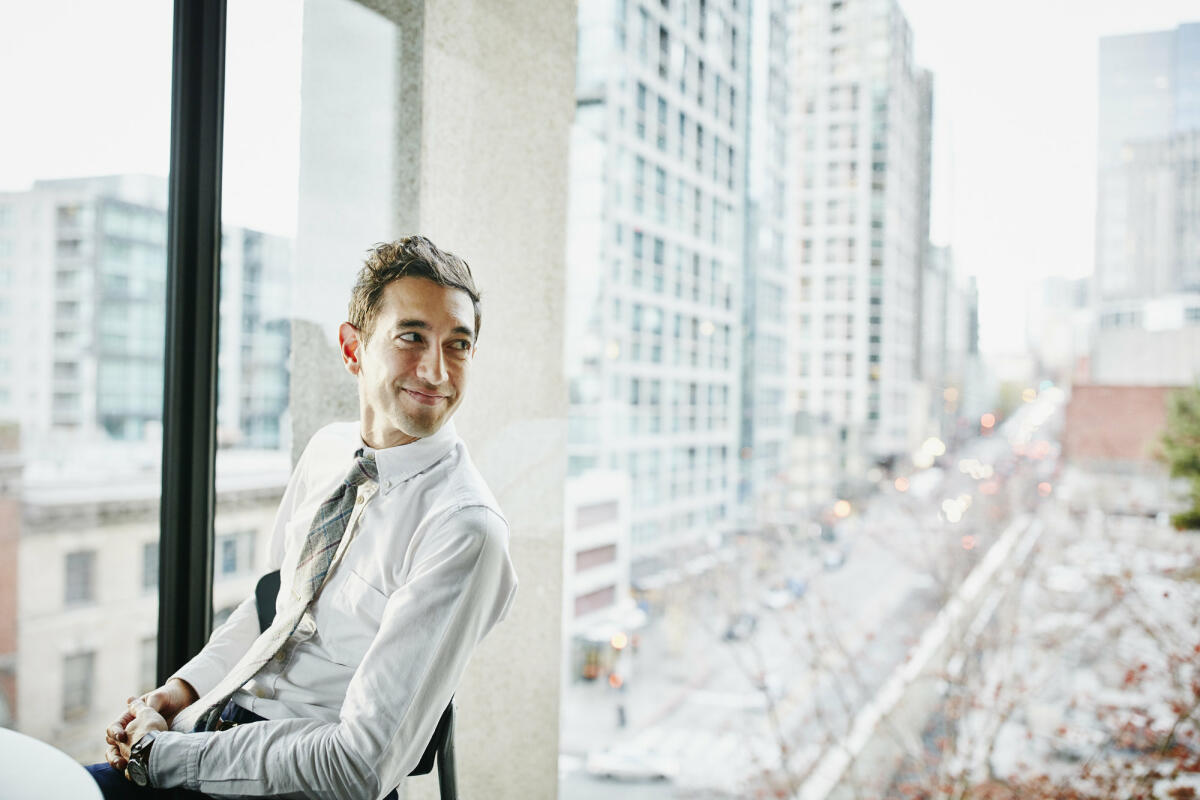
[(659, 684)]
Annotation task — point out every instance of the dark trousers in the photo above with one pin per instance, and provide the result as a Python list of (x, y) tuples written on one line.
[(115, 786)]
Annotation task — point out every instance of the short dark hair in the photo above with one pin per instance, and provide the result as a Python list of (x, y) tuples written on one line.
[(410, 257)]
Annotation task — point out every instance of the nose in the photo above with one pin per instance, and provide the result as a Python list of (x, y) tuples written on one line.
[(432, 366)]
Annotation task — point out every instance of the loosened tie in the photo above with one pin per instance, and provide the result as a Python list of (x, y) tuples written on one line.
[(316, 555)]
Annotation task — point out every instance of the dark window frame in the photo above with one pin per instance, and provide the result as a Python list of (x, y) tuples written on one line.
[(189, 391)]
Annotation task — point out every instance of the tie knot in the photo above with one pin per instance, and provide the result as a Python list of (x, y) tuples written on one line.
[(363, 470)]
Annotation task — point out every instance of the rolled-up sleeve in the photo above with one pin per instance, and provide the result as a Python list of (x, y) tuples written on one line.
[(460, 584)]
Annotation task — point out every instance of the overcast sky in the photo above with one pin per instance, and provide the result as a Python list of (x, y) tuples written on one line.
[(1015, 98), (86, 91)]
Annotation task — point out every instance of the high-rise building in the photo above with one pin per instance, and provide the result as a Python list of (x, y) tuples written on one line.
[(949, 346), (766, 424), (1147, 275), (83, 274), (655, 262), (1149, 119), (862, 126)]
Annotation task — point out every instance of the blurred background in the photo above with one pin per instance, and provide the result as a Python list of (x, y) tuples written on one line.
[(882, 338)]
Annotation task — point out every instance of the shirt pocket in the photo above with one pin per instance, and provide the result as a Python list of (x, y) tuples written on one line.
[(348, 622)]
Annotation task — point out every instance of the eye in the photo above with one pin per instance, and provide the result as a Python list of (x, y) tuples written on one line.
[(409, 336), (461, 344)]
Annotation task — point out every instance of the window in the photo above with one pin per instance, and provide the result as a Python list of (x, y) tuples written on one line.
[(664, 51), (150, 566), (77, 684), (148, 672), (235, 553), (641, 111), (80, 577), (594, 601), (662, 124), (596, 514), (595, 557)]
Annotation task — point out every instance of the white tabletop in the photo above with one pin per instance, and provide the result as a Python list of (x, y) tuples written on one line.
[(34, 770)]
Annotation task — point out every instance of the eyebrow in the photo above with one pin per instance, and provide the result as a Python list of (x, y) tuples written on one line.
[(423, 325)]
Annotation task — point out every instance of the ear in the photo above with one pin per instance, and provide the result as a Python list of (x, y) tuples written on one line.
[(350, 344)]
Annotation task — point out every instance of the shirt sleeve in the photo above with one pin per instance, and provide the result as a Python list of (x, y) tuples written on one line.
[(230, 641), (461, 584)]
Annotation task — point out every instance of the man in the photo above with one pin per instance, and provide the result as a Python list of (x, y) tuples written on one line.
[(393, 559)]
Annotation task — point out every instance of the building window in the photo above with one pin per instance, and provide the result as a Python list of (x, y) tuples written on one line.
[(235, 552), (150, 566), (148, 672), (77, 684), (594, 601), (80, 571), (664, 51), (595, 557), (595, 514)]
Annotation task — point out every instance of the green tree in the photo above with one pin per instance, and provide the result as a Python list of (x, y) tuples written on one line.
[(1181, 449)]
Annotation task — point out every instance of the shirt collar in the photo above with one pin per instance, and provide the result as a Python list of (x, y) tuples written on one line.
[(399, 464)]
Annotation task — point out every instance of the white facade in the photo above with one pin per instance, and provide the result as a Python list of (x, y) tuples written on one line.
[(83, 268), (861, 126), (655, 262), (595, 552), (53, 269), (87, 580), (768, 384)]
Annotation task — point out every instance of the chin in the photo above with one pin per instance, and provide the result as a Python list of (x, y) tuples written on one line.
[(422, 428)]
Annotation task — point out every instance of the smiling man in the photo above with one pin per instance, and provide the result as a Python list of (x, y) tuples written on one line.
[(393, 559)]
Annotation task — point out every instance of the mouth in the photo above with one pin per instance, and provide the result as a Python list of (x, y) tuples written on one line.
[(423, 398)]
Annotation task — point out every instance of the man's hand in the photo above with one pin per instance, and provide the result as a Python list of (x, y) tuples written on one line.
[(164, 703), (142, 720)]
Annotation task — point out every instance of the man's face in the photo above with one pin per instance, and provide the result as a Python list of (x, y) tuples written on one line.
[(413, 371)]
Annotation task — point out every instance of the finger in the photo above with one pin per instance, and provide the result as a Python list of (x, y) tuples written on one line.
[(130, 699), (115, 733), (114, 758)]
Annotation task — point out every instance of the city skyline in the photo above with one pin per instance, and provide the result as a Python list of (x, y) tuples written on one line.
[(984, 207)]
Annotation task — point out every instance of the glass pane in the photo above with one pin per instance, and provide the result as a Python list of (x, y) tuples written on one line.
[(83, 198), (306, 191), (925, 547)]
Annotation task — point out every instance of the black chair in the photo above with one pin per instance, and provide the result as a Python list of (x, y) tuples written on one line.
[(440, 747)]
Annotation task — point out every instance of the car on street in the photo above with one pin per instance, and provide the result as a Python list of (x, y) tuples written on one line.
[(628, 763), (797, 586), (741, 626), (776, 598)]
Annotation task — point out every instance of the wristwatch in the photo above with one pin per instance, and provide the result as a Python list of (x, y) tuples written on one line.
[(139, 759)]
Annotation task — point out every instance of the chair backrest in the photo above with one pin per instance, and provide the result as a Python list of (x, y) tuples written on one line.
[(264, 596)]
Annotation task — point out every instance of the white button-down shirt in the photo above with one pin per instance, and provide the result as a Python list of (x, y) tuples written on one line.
[(421, 575)]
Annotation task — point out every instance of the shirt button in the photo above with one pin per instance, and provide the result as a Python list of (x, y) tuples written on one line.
[(360, 499)]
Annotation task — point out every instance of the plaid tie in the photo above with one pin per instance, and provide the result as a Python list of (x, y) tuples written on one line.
[(316, 556), (328, 526)]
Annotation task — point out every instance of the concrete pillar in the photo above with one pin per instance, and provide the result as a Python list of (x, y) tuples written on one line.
[(482, 98)]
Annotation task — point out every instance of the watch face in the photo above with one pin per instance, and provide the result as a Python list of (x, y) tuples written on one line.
[(137, 773), (139, 760)]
